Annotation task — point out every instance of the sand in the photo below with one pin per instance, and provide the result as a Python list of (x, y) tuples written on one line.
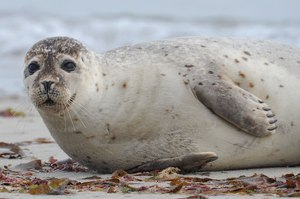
[(31, 127)]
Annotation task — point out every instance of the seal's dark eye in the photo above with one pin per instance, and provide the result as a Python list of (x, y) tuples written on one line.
[(33, 67), (68, 66)]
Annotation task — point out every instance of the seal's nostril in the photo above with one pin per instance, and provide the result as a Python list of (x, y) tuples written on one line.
[(47, 85)]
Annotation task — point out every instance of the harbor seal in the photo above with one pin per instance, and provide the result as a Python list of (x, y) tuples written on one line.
[(180, 102)]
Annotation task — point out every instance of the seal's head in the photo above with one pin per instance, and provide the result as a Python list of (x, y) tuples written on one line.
[(52, 73)]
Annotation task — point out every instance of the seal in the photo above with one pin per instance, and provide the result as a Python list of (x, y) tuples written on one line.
[(181, 102)]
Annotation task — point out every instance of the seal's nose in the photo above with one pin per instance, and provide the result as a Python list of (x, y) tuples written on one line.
[(47, 85)]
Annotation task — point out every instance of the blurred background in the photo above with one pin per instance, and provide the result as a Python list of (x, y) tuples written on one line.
[(102, 25)]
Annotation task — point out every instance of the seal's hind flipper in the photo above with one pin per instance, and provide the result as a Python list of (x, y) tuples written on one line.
[(186, 163), (237, 106)]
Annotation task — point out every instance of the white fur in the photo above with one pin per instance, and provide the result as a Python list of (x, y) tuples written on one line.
[(144, 110)]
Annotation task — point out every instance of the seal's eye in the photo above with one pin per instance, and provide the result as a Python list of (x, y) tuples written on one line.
[(33, 67), (68, 66)]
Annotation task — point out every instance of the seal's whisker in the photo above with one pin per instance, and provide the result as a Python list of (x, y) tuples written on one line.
[(79, 118), (83, 110), (21, 108), (63, 112), (69, 114)]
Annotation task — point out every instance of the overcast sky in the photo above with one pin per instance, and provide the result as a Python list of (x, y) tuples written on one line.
[(257, 10)]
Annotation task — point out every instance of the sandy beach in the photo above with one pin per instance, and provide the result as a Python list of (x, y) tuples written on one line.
[(31, 135)]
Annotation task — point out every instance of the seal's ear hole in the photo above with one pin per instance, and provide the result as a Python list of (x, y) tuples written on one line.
[(68, 66), (33, 67)]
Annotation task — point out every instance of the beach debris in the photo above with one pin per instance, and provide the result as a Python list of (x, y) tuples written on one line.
[(9, 112), (10, 151), (52, 186), (168, 174), (118, 174), (65, 165), (120, 181), (37, 141), (43, 141)]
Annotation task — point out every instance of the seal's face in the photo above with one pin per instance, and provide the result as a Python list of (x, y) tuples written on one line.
[(52, 73)]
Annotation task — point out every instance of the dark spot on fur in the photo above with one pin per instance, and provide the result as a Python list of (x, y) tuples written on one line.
[(100, 110), (90, 137), (186, 81), (176, 46), (236, 61), (292, 123), (166, 54), (237, 83), (266, 63), (184, 75), (97, 87), (282, 58), (200, 83), (298, 62), (82, 59), (281, 86), (75, 119), (140, 48), (78, 132), (247, 53), (188, 65), (242, 74), (262, 80), (203, 46), (267, 97), (245, 58), (179, 73), (88, 157), (162, 74), (113, 137), (104, 74), (251, 85), (213, 84), (124, 85), (210, 72), (220, 76), (226, 56)]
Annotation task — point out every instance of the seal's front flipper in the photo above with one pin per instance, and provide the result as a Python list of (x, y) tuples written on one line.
[(185, 163), (237, 106)]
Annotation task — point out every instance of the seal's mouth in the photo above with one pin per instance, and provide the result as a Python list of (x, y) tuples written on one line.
[(49, 102), (56, 104)]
